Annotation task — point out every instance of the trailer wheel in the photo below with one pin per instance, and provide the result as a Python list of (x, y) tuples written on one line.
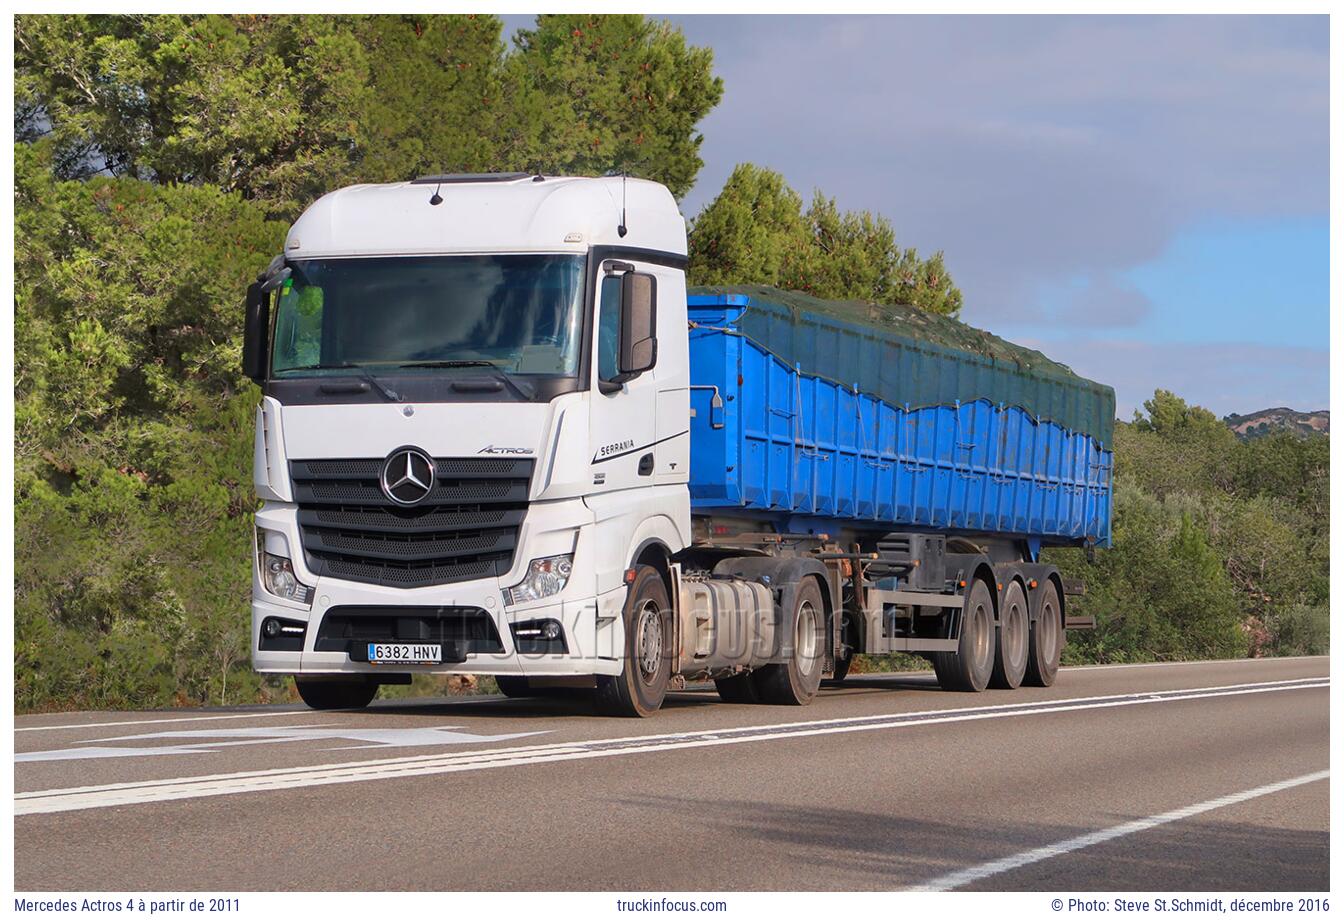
[(1010, 651), (639, 689), (940, 669), (740, 688), (1047, 640), (336, 694), (970, 666), (795, 682)]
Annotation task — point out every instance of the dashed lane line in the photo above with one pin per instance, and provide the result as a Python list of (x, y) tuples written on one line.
[(963, 877)]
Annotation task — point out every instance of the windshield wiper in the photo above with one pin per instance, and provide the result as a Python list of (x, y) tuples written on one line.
[(391, 394), (454, 362), (499, 372)]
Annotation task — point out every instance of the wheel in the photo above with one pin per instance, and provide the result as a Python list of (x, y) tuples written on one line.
[(1047, 639), (513, 687), (941, 669), (639, 689), (1010, 651), (336, 694), (740, 688), (795, 682), (970, 666)]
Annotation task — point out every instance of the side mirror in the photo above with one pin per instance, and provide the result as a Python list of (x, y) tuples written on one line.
[(256, 324), (639, 325)]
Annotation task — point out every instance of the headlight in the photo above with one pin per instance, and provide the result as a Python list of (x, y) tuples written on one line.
[(277, 575), (544, 577)]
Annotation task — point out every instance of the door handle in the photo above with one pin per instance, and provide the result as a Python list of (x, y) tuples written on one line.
[(646, 465)]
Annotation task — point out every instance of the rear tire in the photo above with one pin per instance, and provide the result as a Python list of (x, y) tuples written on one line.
[(740, 688), (969, 668), (1010, 651), (1047, 640), (940, 669), (639, 689), (336, 694), (795, 682)]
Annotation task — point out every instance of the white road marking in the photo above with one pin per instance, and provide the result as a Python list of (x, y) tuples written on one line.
[(110, 795), (260, 714), (964, 877), (98, 748), (88, 725)]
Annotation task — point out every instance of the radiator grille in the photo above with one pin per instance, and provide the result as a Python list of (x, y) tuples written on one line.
[(466, 528)]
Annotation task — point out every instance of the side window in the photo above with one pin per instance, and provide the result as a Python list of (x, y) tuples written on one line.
[(609, 328), (298, 327)]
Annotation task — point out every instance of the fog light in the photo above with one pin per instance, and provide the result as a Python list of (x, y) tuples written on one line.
[(539, 637), (281, 635)]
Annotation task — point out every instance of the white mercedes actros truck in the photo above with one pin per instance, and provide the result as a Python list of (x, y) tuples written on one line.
[(497, 437)]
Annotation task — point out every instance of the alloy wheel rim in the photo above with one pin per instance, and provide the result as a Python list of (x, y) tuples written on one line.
[(1017, 638), (1049, 635), (983, 646), (650, 636), (805, 640)]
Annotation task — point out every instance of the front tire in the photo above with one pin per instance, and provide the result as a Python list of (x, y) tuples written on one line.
[(638, 691), (795, 682), (336, 694), (971, 665)]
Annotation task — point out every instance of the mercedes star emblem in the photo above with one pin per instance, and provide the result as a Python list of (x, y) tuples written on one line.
[(408, 475)]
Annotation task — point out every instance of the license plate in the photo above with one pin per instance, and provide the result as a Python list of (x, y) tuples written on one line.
[(401, 653)]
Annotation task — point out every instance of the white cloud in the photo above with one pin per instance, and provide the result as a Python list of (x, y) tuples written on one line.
[(1030, 149)]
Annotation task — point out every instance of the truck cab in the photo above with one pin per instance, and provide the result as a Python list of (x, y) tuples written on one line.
[(473, 423)]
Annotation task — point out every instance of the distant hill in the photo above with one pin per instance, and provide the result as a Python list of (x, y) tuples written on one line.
[(1268, 421)]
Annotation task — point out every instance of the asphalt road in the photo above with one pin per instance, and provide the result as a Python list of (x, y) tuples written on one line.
[(1206, 776)]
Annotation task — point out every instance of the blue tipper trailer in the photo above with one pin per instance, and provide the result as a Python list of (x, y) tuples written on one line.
[(942, 438), (924, 463)]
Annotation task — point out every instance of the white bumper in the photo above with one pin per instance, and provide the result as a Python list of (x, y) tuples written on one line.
[(591, 623)]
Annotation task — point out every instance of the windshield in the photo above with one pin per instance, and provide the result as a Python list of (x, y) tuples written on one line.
[(520, 313)]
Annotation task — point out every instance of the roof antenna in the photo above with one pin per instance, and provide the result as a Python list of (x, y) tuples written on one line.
[(620, 228), (436, 198)]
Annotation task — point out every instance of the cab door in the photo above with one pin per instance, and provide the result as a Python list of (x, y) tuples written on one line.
[(623, 422)]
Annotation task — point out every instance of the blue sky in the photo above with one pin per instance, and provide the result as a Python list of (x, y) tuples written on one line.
[(1143, 198), (1236, 272)]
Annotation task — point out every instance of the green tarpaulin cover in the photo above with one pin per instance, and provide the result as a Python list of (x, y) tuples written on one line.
[(908, 356)]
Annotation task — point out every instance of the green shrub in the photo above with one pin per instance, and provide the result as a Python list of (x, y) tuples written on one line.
[(1302, 630)]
